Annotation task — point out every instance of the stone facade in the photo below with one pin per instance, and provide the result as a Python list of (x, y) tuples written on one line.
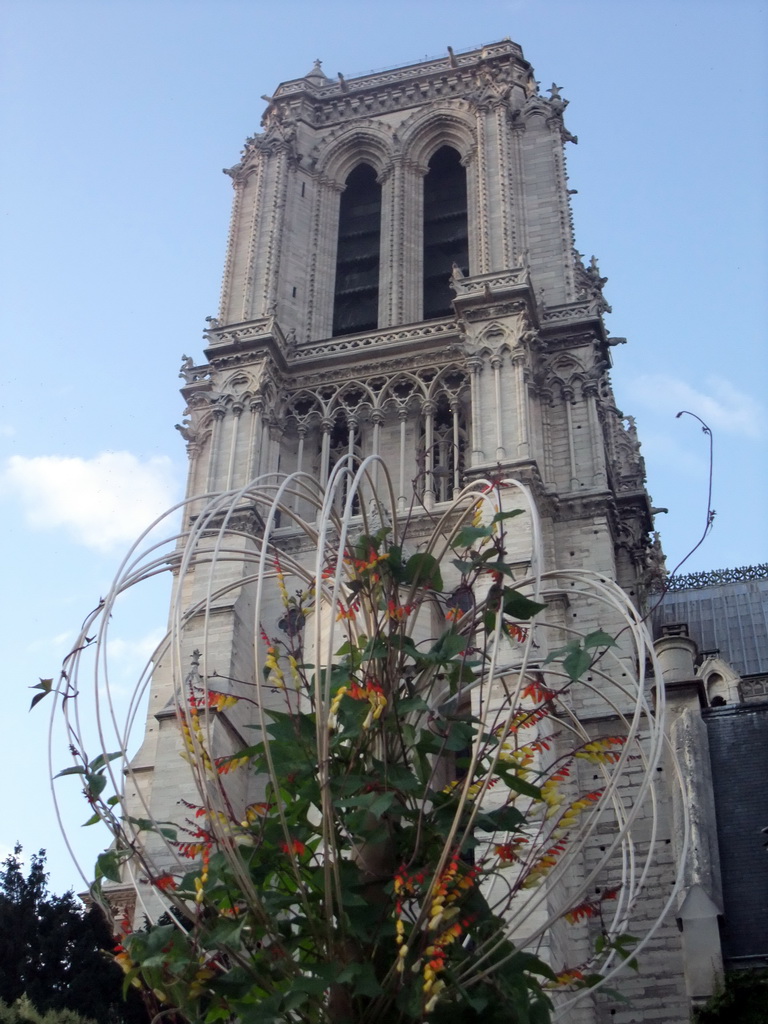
[(513, 381)]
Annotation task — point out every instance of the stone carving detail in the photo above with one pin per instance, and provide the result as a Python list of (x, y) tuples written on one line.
[(192, 374), (486, 75), (352, 343), (571, 311), (656, 565), (589, 284), (627, 466), (396, 389), (516, 277), (490, 89), (195, 424), (697, 580)]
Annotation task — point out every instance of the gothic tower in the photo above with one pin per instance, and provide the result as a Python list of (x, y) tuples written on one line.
[(401, 279)]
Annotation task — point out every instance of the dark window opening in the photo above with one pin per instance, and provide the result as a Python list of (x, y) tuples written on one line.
[(446, 236), (449, 449), (356, 294)]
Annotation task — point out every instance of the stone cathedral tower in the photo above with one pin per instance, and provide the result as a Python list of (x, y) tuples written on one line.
[(401, 279)]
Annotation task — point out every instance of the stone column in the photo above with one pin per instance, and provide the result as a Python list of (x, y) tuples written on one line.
[(496, 364), (474, 365), (218, 416), (237, 409), (428, 409), (701, 897), (254, 442)]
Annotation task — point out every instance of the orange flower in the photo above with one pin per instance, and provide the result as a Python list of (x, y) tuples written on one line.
[(538, 692), (191, 850), (225, 765), (213, 699), (255, 811), (398, 612), (296, 847), (566, 977), (347, 613), (581, 912), (509, 852)]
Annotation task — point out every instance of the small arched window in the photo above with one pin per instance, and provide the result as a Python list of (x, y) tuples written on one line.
[(446, 235), (356, 293)]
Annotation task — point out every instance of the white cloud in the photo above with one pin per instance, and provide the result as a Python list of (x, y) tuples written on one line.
[(720, 404), (130, 654), (127, 659), (667, 450), (102, 502), (59, 642)]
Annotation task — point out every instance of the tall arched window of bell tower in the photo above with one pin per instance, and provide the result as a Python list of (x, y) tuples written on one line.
[(356, 292), (446, 234)]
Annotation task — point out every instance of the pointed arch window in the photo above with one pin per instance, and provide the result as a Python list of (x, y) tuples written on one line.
[(356, 293), (442, 448), (345, 440), (446, 233)]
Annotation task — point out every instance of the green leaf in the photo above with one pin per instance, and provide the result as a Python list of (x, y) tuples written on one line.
[(423, 569), (147, 825), (523, 961), (489, 621), (95, 784), (495, 566), (405, 705), (103, 759), (462, 566), (108, 864), (561, 652), (460, 735), (467, 535), (45, 686), (296, 997), (224, 933), (446, 648), (93, 820), (576, 663), (395, 563), (362, 977), (519, 606), (599, 639), (513, 781), (501, 516), (382, 803), (74, 770), (504, 819)]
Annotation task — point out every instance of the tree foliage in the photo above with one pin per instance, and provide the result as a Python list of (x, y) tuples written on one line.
[(744, 998), (23, 1012), (51, 954)]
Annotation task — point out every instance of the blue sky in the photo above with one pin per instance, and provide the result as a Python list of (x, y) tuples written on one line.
[(117, 118)]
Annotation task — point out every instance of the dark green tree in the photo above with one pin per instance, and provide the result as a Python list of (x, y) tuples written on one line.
[(744, 998), (52, 950), (23, 1012)]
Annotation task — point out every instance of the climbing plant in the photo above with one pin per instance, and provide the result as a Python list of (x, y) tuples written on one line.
[(417, 809)]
